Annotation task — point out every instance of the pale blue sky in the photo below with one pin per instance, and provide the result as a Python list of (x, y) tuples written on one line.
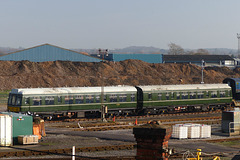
[(115, 24)]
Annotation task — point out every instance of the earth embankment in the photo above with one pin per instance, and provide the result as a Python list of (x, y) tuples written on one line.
[(25, 74)]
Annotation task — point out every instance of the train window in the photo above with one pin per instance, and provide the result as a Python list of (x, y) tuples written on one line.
[(132, 97), (122, 98), (97, 98), (200, 95), (104, 98), (207, 94), (27, 100), (113, 98), (79, 99), (13, 99), (89, 98), (184, 95), (168, 96), (192, 95), (214, 94), (37, 101), (59, 99), (222, 94), (150, 96), (178, 95), (10, 99), (19, 100), (49, 100), (68, 99), (227, 93), (159, 96)]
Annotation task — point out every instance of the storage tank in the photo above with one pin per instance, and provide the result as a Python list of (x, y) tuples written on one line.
[(5, 130), (21, 125)]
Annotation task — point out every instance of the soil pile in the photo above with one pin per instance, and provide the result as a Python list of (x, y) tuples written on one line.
[(25, 74)]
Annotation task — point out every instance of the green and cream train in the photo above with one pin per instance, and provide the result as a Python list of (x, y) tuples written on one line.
[(120, 100)]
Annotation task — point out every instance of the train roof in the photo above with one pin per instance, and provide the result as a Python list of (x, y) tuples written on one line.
[(67, 90), (184, 87), (116, 89), (233, 80)]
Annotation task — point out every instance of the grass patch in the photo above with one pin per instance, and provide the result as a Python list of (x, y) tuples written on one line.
[(232, 144), (47, 144)]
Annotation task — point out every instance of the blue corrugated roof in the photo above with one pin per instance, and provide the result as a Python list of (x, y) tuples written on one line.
[(47, 52)]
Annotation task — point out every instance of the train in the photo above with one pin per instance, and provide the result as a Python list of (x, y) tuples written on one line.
[(124, 100)]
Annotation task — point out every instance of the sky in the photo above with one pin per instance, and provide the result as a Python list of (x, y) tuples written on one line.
[(114, 24)]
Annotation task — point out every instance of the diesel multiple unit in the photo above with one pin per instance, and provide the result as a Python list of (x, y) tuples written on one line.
[(119, 100)]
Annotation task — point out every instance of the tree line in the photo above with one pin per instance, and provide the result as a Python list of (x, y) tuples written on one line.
[(175, 49)]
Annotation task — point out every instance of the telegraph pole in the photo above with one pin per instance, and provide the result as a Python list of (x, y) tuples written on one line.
[(202, 71), (238, 37), (103, 107)]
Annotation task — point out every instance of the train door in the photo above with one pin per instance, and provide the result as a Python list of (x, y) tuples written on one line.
[(139, 99)]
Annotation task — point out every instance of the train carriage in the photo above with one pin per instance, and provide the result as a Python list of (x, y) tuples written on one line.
[(234, 83), (161, 98), (120, 100), (79, 101)]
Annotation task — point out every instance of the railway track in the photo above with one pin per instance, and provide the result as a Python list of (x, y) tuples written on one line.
[(117, 126), (132, 117), (64, 153)]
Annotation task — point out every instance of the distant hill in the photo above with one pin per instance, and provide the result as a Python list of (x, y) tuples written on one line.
[(134, 50), (222, 51), (6, 50)]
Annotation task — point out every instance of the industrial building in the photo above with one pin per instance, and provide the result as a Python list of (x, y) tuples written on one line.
[(47, 52), (207, 60), (150, 58)]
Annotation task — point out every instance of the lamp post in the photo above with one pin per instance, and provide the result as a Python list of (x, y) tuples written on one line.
[(103, 108), (202, 71)]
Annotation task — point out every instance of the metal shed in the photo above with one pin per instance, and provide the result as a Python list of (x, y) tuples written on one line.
[(21, 125), (209, 60), (47, 52)]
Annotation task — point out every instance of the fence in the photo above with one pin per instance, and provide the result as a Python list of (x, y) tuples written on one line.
[(234, 128)]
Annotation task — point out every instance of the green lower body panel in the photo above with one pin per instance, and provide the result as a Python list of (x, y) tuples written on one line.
[(186, 102), (77, 107)]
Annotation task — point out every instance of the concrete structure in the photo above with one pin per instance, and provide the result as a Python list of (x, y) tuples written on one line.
[(47, 52), (231, 122), (209, 60), (150, 58)]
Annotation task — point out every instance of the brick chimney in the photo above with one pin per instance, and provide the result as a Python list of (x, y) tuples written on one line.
[(152, 141)]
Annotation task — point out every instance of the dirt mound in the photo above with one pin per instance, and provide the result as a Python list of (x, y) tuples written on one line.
[(25, 74)]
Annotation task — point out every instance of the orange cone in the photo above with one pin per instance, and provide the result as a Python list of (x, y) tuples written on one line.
[(114, 119), (136, 121)]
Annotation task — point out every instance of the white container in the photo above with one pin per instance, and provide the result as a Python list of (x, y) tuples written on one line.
[(205, 131), (193, 130), (179, 131), (28, 139), (5, 130)]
